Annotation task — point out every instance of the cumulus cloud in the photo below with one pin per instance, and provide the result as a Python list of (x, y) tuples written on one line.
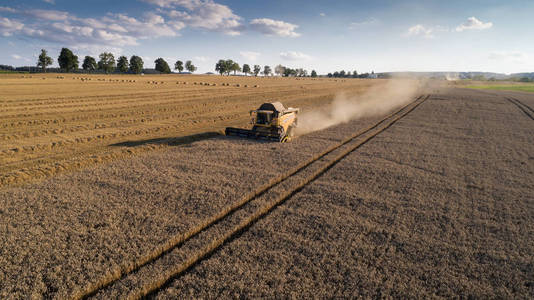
[(420, 30), (16, 56), (50, 1), (294, 55), (272, 27), (8, 26), (204, 14), (250, 55), (473, 23)]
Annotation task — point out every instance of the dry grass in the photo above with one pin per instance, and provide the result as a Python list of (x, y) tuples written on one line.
[(67, 122)]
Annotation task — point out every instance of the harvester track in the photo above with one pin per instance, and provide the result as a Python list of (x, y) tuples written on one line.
[(527, 110), (154, 270)]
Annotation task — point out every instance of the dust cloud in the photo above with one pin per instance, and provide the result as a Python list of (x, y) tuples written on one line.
[(377, 101)]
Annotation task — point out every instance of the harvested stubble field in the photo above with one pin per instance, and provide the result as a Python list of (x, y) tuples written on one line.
[(57, 122), (435, 201)]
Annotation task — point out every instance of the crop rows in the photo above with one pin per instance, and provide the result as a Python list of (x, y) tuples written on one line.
[(73, 125), (154, 269)]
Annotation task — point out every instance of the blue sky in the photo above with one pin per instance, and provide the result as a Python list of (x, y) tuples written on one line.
[(322, 35)]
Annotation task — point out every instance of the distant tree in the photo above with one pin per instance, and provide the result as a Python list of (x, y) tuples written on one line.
[(257, 70), (235, 67), (246, 69), (330, 75), (44, 60), (228, 64), (267, 70), (106, 62), (136, 64), (89, 63), (279, 70), (179, 65), (313, 74), (301, 72), (220, 66), (162, 66), (122, 64), (354, 74), (190, 67), (336, 74), (67, 60), (342, 73)]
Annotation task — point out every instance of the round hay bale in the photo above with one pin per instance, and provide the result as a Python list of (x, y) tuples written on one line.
[(238, 85), (256, 86)]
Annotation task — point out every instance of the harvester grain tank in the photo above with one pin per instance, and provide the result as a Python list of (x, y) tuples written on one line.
[(272, 121)]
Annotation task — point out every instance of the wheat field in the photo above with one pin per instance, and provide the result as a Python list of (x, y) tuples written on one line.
[(51, 123)]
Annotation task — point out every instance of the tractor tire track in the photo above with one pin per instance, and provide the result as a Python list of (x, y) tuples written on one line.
[(527, 110), (183, 251)]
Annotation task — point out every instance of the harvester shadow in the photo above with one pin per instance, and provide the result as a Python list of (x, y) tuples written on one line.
[(170, 141)]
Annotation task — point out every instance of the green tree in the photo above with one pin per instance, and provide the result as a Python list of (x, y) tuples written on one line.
[(228, 66), (313, 74), (106, 62), (267, 70), (136, 64), (278, 70), (246, 69), (89, 63), (220, 66), (67, 60), (354, 74), (257, 70), (179, 65), (44, 60), (122, 64), (235, 67), (190, 67), (162, 66)]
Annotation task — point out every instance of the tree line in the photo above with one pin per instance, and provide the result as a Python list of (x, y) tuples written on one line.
[(68, 62), (349, 74), (225, 67)]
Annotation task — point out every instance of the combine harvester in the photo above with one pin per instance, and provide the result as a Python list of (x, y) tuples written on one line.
[(272, 121)]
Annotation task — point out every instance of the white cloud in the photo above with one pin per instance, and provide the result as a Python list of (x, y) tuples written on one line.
[(370, 21), (294, 55), (508, 55), (250, 55), (15, 56), (420, 30), (50, 15), (201, 58), (8, 26), (50, 1), (272, 27), (7, 9), (473, 23), (204, 14), (322, 14)]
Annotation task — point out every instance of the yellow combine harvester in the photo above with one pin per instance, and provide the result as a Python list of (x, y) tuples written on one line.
[(272, 121)]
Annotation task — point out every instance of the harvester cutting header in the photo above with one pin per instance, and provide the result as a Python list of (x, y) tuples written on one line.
[(272, 121)]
